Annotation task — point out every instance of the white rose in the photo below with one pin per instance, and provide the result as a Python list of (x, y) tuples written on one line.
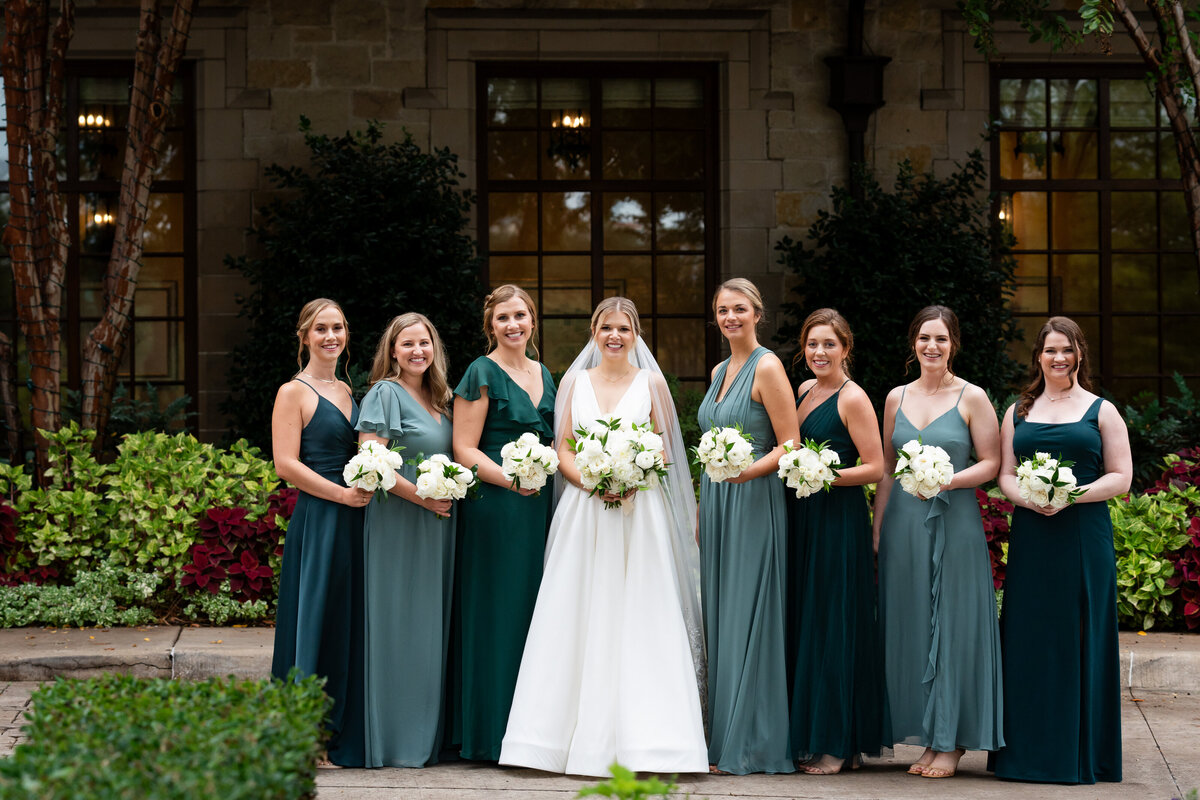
[(908, 482)]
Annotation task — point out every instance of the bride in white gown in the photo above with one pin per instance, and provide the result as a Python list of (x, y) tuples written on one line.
[(615, 653)]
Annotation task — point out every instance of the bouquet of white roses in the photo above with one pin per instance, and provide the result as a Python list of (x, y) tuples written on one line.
[(440, 478), (614, 456), (923, 469), (1046, 481), (527, 462), (809, 468), (373, 468), (724, 453)]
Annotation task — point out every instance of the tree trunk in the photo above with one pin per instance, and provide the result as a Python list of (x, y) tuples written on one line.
[(156, 64)]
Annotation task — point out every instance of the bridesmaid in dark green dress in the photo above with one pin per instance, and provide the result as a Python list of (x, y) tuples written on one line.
[(743, 549), (1058, 628), (318, 623), (839, 706), (408, 551), (502, 533)]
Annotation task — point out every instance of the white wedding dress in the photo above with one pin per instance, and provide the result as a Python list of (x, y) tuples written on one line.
[(608, 672)]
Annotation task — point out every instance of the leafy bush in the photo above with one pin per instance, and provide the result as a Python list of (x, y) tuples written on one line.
[(1157, 427), (237, 553), (881, 257), (996, 511), (1147, 528), (118, 736), (381, 228), (105, 596), (1182, 470), (625, 785)]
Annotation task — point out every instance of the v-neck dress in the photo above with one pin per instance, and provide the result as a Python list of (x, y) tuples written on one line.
[(938, 605), (501, 547), (318, 621), (408, 554), (839, 705), (743, 553)]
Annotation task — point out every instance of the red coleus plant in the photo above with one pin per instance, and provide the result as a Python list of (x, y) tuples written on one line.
[(1187, 576), (996, 513)]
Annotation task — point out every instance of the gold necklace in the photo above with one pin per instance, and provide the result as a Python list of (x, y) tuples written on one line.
[(617, 379), (1066, 396), (315, 378), (522, 370), (941, 385)]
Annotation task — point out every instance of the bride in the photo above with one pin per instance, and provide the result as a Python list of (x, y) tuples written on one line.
[(615, 653)]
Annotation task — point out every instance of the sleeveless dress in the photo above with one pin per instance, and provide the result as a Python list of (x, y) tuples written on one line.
[(839, 706), (938, 606), (607, 673), (501, 546), (743, 552), (318, 621), (1062, 685), (408, 554)]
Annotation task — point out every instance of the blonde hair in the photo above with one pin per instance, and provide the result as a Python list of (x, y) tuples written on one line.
[(386, 368), (502, 294), (618, 305), (841, 329), (308, 315), (743, 287)]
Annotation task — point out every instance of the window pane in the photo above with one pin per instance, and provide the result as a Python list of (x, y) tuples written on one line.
[(1180, 282), (1076, 221), (1029, 220), (1073, 102), (681, 284), (566, 285), (560, 340), (680, 217), (1021, 351), (3, 150), (1180, 353), (1023, 102), (563, 97), (170, 157), (512, 102), (1135, 345), (629, 276), (566, 153), (680, 350), (1176, 232), (1132, 155), (678, 155), (1090, 325), (104, 102), (512, 221), (1078, 279), (91, 286), (1168, 156), (1074, 155), (164, 224), (1127, 389), (627, 221), (512, 155), (160, 286), (626, 155), (1130, 104), (1134, 220), (1023, 155), (678, 102), (156, 351), (566, 221), (101, 153), (626, 102), (8, 308), (1031, 295), (521, 270), (1134, 282), (97, 222), (167, 394)]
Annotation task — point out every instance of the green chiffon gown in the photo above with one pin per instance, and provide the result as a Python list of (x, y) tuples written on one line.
[(501, 547), (839, 705), (743, 549), (408, 553), (938, 605), (1062, 685), (318, 621)]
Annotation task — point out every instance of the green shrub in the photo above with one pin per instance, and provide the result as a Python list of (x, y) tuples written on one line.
[(222, 607), (122, 737), (1147, 529), (1160, 426), (105, 596), (625, 785)]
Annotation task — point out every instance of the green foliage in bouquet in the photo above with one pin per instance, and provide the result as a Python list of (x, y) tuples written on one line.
[(1147, 529), (117, 736)]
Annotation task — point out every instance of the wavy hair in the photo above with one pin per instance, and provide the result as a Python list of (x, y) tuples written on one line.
[(833, 318), (928, 314), (386, 368), (308, 315), (502, 294), (1037, 378)]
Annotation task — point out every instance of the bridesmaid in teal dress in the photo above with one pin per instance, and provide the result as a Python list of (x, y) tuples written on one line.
[(1062, 688), (318, 622), (503, 532), (743, 549), (408, 551), (937, 602), (839, 707)]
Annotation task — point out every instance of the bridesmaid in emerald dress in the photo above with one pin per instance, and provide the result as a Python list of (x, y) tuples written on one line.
[(318, 623), (408, 550), (839, 706), (1058, 628), (502, 533), (937, 600), (743, 549)]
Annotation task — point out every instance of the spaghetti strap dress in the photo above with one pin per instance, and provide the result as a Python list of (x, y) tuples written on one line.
[(838, 704), (318, 621), (938, 606), (1058, 629), (501, 547), (743, 552), (409, 562)]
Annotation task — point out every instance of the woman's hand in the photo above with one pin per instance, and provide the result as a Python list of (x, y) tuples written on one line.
[(439, 507), (1045, 511), (525, 492), (355, 498), (612, 497)]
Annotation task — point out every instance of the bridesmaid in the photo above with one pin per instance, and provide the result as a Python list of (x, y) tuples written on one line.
[(743, 548), (318, 623), (1062, 691), (408, 551), (937, 602), (839, 707), (503, 533)]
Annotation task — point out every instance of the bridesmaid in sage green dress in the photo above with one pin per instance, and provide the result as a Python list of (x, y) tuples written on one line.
[(318, 623), (937, 601), (839, 706), (743, 549), (502, 533), (408, 551), (1062, 684)]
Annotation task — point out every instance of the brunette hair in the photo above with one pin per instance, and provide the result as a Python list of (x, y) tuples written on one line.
[(743, 287), (620, 305), (1037, 379), (308, 315), (841, 329), (928, 314), (502, 294), (386, 368)]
